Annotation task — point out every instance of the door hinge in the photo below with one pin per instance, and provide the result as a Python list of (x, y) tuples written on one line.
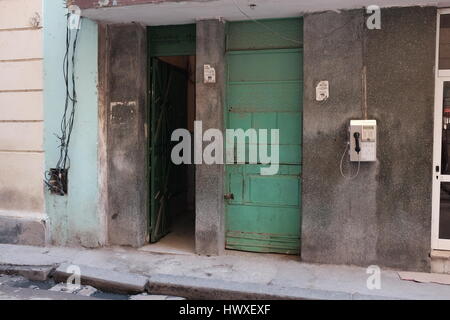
[(229, 196)]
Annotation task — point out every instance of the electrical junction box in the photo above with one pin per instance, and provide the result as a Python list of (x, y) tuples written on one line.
[(363, 136)]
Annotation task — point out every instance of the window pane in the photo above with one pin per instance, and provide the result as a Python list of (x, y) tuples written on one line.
[(444, 42), (445, 160), (444, 216)]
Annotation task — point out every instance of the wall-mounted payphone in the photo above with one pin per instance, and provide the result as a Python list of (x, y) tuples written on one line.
[(362, 145), (363, 140)]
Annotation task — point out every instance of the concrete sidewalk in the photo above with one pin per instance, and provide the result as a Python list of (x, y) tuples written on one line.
[(233, 276)]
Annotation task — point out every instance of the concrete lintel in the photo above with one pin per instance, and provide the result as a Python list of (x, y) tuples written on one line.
[(93, 4)]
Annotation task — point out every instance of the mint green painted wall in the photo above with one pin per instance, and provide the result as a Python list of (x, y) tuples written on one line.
[(74, 219)]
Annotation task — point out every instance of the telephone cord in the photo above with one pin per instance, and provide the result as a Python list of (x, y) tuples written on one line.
[(342, 163)]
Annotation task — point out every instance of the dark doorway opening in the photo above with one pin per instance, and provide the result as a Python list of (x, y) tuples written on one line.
[(172, 187)]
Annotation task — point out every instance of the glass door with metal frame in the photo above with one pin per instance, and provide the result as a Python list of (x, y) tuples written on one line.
[(440, 238), (441, 177)]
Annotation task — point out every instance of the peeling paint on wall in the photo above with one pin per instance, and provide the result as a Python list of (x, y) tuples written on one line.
[(74, 219)]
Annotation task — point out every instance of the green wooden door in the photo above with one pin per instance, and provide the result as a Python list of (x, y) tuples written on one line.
[(264, 91), (167, 96), (169, 89)]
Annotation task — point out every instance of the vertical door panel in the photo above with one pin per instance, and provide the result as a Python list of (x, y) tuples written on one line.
[(264, 91)]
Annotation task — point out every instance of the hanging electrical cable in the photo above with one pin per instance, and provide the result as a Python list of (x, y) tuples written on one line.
[(56, 178)]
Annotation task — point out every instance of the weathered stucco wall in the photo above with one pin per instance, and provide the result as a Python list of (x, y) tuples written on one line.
[(400, 61), (383, 216), (75, 218), (125, 115), (22, 217), (210, 220)]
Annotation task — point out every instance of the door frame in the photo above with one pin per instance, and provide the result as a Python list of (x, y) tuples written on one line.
[(441, 76), (438, 178), (160, 48)]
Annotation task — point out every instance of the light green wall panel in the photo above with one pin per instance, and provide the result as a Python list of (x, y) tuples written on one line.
[(74, 219)]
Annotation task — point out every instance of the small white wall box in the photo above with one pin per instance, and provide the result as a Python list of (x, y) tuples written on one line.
[(322, 91), (363, 137), (209, 74)]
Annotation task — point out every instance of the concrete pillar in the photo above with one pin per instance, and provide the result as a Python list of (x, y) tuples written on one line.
[(210, 226), (339, 60), (125, 115)]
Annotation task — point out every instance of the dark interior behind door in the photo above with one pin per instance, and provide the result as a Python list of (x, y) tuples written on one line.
[(168, 112)]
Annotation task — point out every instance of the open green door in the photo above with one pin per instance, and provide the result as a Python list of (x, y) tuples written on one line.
[(168, 94), (264, 91)]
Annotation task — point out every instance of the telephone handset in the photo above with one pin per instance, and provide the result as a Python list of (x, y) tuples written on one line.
[(363, 140), (357, 135)]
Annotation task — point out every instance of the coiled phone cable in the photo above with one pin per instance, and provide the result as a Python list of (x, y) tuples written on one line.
[(347, 147)]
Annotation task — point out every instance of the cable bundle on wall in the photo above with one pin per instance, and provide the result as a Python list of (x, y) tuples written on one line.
[(56, 178)]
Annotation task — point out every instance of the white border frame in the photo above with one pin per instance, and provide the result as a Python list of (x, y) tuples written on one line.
[(441, 76), (438, 178)]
